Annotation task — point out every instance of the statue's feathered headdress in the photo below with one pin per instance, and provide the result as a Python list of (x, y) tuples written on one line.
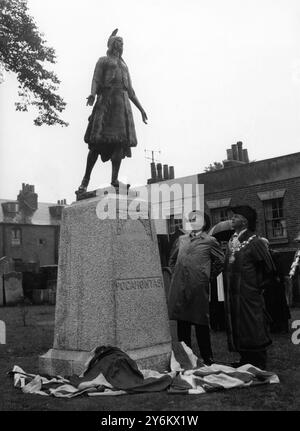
[(111, 40), (112, 37)]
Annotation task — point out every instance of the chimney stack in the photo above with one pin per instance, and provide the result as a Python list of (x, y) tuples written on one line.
[(28, 199), (62, 202), (161, 172), (236, 156)]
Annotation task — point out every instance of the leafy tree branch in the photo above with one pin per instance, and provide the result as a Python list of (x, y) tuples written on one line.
[(23, 51)]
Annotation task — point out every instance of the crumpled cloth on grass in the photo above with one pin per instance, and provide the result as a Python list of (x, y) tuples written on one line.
[(112, 372)]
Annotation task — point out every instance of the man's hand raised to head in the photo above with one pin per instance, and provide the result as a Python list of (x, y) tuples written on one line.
[(90, 100)]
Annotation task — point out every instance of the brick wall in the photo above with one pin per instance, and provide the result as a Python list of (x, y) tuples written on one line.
[(31, 247), (248, 195)]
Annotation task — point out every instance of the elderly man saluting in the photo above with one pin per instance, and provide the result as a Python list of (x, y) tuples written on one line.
[(196, 257), (248, 266)]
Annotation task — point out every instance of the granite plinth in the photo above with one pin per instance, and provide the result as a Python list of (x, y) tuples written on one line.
[(110, 290), (69, 362)]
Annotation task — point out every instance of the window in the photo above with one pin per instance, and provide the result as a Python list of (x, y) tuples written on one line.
[(15, 237), (274, 219), (219, 214), (12, 207), (174, 224)]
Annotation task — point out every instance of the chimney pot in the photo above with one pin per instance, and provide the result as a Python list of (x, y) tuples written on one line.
[(229, 154), (159, 171), (166, 172), (234, 152), (153, 171), (240, 151), (245, 156), (171, 173)]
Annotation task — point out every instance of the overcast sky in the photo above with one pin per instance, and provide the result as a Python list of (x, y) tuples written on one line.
[(207, 72)]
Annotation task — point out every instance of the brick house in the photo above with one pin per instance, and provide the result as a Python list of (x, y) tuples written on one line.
[(29, 230)]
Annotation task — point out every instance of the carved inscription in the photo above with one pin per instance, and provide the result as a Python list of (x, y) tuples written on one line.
[(139, 283)]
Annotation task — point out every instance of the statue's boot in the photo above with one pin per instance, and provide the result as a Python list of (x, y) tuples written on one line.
[(83, 186)]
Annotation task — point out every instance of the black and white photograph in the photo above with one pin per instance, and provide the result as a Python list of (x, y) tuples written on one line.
[(149, 209)]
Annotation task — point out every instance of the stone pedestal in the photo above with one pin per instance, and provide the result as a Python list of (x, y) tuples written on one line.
[(110, 290)]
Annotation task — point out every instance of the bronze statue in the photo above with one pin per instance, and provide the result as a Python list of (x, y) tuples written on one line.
[(111, 131)]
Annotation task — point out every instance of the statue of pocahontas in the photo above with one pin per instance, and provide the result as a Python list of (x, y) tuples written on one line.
[(111, 132)]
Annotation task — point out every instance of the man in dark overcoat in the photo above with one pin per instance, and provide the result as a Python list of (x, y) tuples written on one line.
[(194, 260)]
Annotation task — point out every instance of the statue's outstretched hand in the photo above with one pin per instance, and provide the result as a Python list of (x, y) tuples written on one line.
[(144, 117), (90, 100)]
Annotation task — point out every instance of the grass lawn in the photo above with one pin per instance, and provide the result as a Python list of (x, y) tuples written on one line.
[(24, 344)]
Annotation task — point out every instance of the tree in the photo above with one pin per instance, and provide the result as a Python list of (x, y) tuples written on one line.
[(215, 167), (23, 51)]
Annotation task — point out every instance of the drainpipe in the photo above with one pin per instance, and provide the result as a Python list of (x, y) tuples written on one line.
[(3, 253), (3, 239)]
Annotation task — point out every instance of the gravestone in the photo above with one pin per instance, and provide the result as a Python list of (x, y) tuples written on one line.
[(13, 288), (110, 290)]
